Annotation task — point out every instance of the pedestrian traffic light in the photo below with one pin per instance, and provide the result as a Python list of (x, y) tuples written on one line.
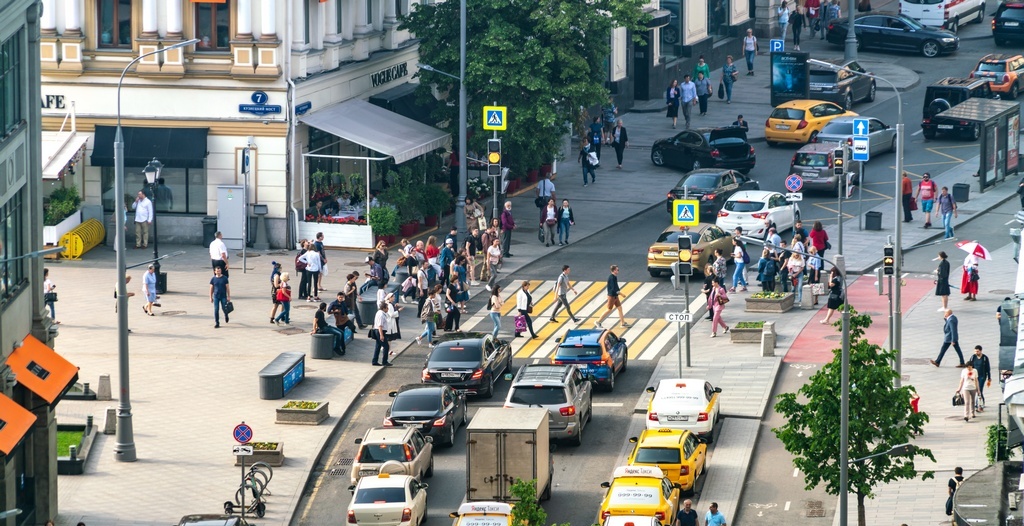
[(839, 163), (888, 260), (494, 157), (685, 254)]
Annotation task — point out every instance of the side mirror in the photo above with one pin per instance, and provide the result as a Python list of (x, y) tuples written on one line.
[(430, 440), (591, 377), (623, 340), (718, 389), (352, 488), (606, 485), (633, 440), (393, 394), (424, 485), (358, 441), (650, 389), (453, 515), (677, 486)]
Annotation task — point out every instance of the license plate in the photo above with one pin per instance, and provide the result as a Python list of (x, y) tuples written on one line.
[(367, 472), (450, 375), (945, 126), (678, 418), (1011, 24), (781, 126), (671, 254)]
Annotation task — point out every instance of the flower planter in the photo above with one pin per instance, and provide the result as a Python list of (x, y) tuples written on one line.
[(745, 335), (545, 169), (76, 466), (783, 304), (297, 415), (273, 457), (430, 221), (338, 235), (52, 234), (380, 239), (409, 229), (513, 186), (532, 175)]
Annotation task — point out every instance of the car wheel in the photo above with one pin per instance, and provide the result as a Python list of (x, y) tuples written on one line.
[(465, 413), (930, 48), (423, 518), (771, 144), (1000, 42), (430, 469), (696, 164), (975, 132), (657, 157), (871, 93), (848, 102), (928, 134), (892, 146), (611, 380), (745, 171), (450, 442), (490, 387), (654, 273), (578, 439), (814, 135), (1013, 92), (625, 363)]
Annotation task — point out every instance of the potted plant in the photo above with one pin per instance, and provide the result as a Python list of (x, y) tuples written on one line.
[(433, 201), (302, 412), (384, 221), (270, 452), (401, 193), (60, 214), (776, 302), (746, 332), (532, 175)]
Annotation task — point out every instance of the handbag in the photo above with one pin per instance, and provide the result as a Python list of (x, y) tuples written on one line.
[(282, 295), (721, 300), (958, 399), (818, 289), (828, 246), (721, 90), (529, 309), (540, 233), (974, 275), (592, 157), (50, 297), (520, 322), (540, 201), (913, 203), (229, 308)]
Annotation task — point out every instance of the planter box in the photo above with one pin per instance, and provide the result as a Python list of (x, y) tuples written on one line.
[(780, 305), (309, 417), (349, 236), (274, 458), (52, 234), (745, 335), (76, 466)]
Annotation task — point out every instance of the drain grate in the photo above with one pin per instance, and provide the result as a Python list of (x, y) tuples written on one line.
[(814, 508), (340, 472), (291, 331), (172, 313), (344, 462)]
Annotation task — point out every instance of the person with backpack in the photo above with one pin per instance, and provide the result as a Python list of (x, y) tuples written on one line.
[(767, 268), (954, 484), (740, 258), (445, 259), (587, 160), (926, 193), (813, 8), (596, 136)]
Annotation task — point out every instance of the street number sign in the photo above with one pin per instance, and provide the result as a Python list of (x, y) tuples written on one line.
[(685, 212), (241, 451), (678, 317)]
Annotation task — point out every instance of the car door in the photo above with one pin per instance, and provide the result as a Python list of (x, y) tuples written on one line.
[(582, 388), (746, 183), (675, 154), (691, 150), (611, 345), (899, 35), (879, 137), (713, 402), (869, 30), (696, 453), (421, 451), (417, 501), (489, 364), (781, 212), (860, 85)]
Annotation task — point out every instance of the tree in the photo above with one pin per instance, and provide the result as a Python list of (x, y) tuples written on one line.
[(543, 59), (527, 511), (880, 418)]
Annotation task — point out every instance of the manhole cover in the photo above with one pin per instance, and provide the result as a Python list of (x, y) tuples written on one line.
[(344, 462), (172, 313), (816, 513), (337, 472), (1003, 292), (916, 361), (814, 508), (291, 331), (834, 337)]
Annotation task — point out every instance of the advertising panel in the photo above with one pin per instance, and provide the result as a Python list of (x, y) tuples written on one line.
[(790, 76)]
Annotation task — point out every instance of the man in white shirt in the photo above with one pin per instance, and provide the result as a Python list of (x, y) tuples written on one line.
[(219, 254), (143, 218), (546, 190)]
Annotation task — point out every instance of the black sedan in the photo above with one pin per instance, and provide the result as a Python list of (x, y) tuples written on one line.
[(894, 33), (724, 147), (712, 187), (468, 361), (437, 410)]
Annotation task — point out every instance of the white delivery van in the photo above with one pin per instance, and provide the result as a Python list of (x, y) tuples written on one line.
[(948, 14)]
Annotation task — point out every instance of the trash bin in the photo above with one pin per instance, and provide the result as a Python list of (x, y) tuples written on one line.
[(873, 220), (961, 192), (209, 230), (322, 346), (368, 306)]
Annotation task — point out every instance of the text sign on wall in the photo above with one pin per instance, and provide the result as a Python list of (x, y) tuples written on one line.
[(389, 74)]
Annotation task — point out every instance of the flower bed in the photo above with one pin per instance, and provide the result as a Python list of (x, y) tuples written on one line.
[(775, 302), (311, 218), (270, 452), (746, 332), (302, 412)]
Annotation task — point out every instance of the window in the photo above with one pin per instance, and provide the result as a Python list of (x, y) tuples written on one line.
[(183, 191), (370, 6), (213, 28), (115, 19), (11, 245), (10, 86)]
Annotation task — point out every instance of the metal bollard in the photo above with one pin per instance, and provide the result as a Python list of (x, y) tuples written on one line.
[(73, 452)]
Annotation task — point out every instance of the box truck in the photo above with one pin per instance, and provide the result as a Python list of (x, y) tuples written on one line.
[(503, 445)]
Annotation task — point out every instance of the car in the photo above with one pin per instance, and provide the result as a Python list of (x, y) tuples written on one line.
[(405, 445), (815, 163), (438, 411), (677, 452), (564, 390), (631, 520), (483, 514), (1008, 23), (692, 404), (948, 14), (211, 519), (600, 352), (750, 209), (711, 187), (639, 490), (945, 94), (705, 238), (881, 136), (388, 500), (1003, 71), (468, 361), (799, 121), (841, 87), (890, 32), (696, 148)]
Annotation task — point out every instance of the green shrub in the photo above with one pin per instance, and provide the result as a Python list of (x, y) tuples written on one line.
[(61, 204), (384, 220), (749, 324)]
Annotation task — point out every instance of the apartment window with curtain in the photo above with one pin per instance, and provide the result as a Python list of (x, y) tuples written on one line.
[(115, 23), (11, 112), (213, 26)]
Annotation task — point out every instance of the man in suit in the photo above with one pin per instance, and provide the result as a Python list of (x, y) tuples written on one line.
[(950, 336)]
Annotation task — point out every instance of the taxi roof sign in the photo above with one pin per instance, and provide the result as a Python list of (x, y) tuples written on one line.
[(495, 118), (638, 471), (497, 508)]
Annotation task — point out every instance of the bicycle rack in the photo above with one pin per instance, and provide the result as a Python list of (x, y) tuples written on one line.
[(255, 482)]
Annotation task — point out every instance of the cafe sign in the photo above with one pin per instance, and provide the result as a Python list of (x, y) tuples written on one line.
[(389, 74)]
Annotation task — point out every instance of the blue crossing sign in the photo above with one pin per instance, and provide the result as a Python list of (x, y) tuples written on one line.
[(685, 212), (495, 117), (794, 182), (860, 127), (776, 45), (242, 433)]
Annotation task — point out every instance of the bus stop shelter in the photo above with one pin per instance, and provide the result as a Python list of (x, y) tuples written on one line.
[(999, 141)]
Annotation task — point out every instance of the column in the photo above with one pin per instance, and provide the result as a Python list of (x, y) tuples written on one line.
[(362, 27), (174, 13), (389, 13), (243, 22), (268, 63), (48, 21), (347, 19), (331, 12), (72, 40), (150, 15), (72, 18), (298, 24), (268, 17)]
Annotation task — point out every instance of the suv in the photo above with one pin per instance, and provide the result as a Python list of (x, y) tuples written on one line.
[(842, 87), (1003, 71), (403, 445), (599, 351), (561, 389), (1008, 23), (945, 94), (815, 163)]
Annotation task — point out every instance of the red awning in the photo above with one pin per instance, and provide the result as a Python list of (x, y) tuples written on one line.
[(42, 370), (15, 421)]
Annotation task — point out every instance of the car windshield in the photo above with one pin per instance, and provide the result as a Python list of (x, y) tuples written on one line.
[(814, 160), (791, 114), (375, 453), (700, 181), (538, 395), (672, 236), (416, 402), (456, 353), (821, 76), (579, 351), (657, 455), (987, 67), (1012, 14), (744, 206), (838, 128), (379, 495)]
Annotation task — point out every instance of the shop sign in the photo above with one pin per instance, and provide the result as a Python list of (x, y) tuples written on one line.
[(53, 102), (389, 74), (259, 105)]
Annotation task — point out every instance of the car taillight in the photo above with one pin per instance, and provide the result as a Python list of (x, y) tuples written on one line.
[(708, 197), (802, 125), (567, 411), (388, 422), (702, 417), (751, 150), (1006, 78), (964, 123), (605, 514), (993, 24), (793, 160), (926, 121), (426, 375), (723, 213), (408, 452), (696, 251), (652, 416), (351, 517), (670, 196), (684, 470), (659, 515), (715, 153), (556, 362), (653, 250), (440, 421), (406, 515), (478, 374), (831, 27), (760, 215)]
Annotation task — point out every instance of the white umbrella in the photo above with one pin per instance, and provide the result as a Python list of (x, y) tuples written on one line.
[(973, 247)]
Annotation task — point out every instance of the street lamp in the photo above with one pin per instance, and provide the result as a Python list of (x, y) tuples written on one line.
[(900, 450), (850, 47), (10, 513), (152, 173), (124, 443)]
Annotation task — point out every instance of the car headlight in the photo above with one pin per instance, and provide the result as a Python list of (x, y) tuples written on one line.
[(949, 40)]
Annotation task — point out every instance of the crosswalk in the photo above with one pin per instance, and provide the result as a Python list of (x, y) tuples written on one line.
[(645, 337)]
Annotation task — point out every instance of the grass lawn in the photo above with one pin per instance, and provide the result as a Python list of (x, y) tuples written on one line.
[(65, 439)]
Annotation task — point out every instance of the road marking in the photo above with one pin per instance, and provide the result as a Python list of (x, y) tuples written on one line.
[(936, 151), (1010, 222), (606, 404), (786, 507), (536, 361), (918, 132), (796, 471), (654, 349), (378, 402)]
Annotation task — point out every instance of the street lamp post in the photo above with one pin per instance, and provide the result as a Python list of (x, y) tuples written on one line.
[(124, 443), (460, 203), (850, 47), (152, 173)]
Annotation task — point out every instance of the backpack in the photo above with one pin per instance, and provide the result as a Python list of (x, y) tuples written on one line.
[(595, 137), (300, 265), (746, 257)]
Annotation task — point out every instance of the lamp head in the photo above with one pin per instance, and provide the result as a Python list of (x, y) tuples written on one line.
[(152, 171)]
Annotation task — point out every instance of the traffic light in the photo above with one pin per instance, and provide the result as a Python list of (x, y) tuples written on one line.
[(494, 157), (839, 163), (685, 255), (888, 260)]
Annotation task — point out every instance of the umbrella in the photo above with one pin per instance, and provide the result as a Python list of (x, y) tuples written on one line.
[(973, 247)]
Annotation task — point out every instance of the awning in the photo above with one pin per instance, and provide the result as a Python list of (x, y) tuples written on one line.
[(41, 370), (378, 129), (659, 18), (402, 100), (174, 147), (61, 150), (15, 421)]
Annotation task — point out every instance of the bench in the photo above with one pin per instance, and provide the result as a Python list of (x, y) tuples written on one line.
[(282, 374)]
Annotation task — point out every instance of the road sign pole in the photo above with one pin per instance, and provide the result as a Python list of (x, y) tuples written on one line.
[(686, 288), (679, 345), (243, 489), (860, 197)]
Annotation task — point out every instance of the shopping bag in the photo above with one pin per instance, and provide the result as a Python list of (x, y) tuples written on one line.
[(520, 322), (913, 204), (721, 90)]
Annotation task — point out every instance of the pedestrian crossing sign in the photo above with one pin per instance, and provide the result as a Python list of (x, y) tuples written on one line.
[(685, 212), (495, 118)]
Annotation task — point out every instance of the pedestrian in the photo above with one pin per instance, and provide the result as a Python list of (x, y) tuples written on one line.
[(686, 516), (586, 159), (524, 304), (796, 20), (549, 222), (453, 171), (477, 215), (719, 298), (950, 336), (422, 286), (1020, 192), (453, 314), (785, 283), (320, 326), (783, 12), (813, 8), (300, 268), (714, 517), (796, 266), (774, 241), (609, 112), (352, 297), (619, 140), (342, 316), (740, 260), (409, 288), (701, 67), (313, 265), (750, 49), (947, 207), (394, 314), (688, 98), (596, 136), (672, 96), (908, 195), (445, 259), (968, 388), (50, 294), (719, 265), (275, 283), (379, 332), (814, 264), (562, 288), (614, 301), (487, 239), (942, 280), (835, 294), (565, 220), (819, 239), (926, 192), (971, 277), (284, 297), (493, 263), (545, 190), (704, 92), (220, 296), (380, 255), (799, 230), (709, 277), (830, 11), (729, 74), (984, 369), (219, 253), (374, 278), (767, 269), (508, 224), (430, 314), (953, 485), (460, 272), (149, 289), (474, 246), (143, 219), (495, 306), (319, 287)]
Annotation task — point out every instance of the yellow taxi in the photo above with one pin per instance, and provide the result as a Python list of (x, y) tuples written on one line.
[(676, 452), (640, 490), (483, 514), (704, 239), (800, 121)]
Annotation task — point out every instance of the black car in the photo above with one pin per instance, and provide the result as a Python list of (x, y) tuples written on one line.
[(841, 87), (724, 147), (437, 410), (946, 94), (1008, 23), (468, 361), (894, 33), (712, 187)]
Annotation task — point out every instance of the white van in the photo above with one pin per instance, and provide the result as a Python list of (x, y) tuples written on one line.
[(949, 14)]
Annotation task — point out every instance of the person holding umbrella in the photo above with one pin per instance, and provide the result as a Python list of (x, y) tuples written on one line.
[(970, 279)]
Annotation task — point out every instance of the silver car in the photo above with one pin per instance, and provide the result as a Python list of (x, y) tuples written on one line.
[(564, 390), (881, 137)]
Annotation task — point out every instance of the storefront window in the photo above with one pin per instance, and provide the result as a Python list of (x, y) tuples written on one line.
[(10, 86), (115, 19), (183, 191), (213, 26), (718, 18), (11, 245)]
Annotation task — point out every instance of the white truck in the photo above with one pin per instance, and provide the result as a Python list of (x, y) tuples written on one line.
[(503, 445)]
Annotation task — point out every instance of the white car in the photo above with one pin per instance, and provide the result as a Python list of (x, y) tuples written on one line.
[(483, 514), (684, 403), (388, 500), (631, 520), (749, 209)]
